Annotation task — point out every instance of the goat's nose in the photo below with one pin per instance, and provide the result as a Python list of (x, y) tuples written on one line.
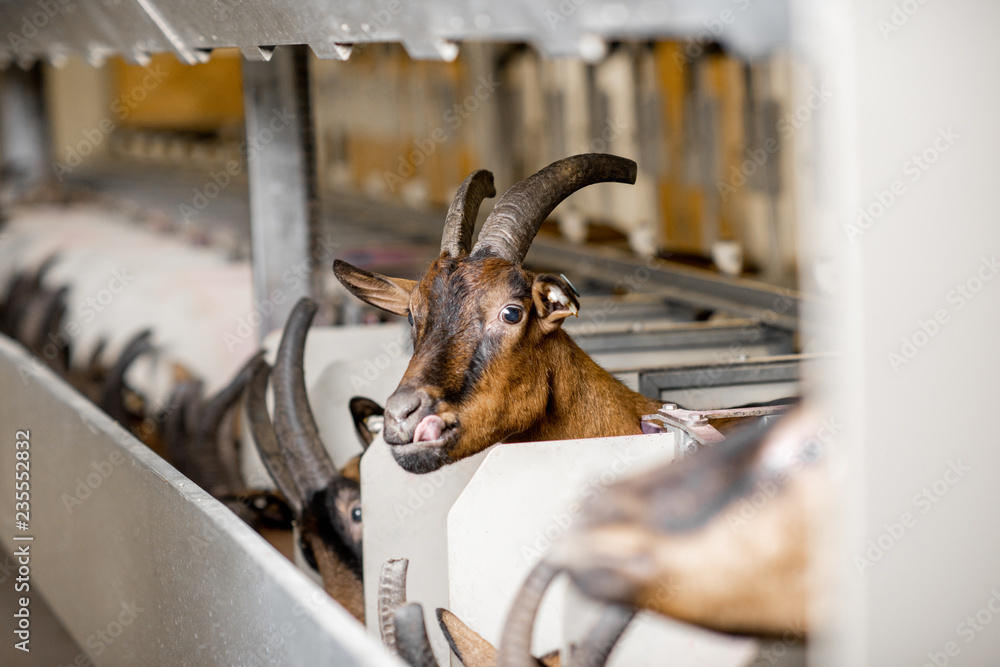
[(402, 404), (403, 411)]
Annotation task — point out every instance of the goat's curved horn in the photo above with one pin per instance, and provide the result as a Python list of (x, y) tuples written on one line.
[(411, 637), (601, 640), (511, 227), (17, 291), (229, 458), (210, 467), (214, 410), (515, 641), (217, 406), (458, 224), (53, 312), (267, 441), (293, 418), (391, 596), (94, 363), (175, 431), (111, 391)]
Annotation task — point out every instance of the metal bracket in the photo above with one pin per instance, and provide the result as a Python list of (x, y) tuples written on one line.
[(694, 428)]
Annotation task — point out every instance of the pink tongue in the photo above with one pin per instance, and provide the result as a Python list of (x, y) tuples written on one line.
[(428, 429)]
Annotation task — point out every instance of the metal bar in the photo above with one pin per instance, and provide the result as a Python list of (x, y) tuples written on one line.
[(426, 29), (668, 335), (139, 564), (774, 306), (23, 130), (752, 371), (280, 175)]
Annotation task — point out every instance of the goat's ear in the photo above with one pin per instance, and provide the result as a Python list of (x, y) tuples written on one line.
[(555, 300), (391, 294), (365, 411), (471, 649)]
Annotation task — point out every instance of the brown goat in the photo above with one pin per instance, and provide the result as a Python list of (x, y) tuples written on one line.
[(491, 362), (673, 541), (325, 503)]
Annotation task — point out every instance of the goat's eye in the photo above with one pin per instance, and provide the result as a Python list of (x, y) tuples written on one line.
[(356, 514), (409, 316), (511, 314)]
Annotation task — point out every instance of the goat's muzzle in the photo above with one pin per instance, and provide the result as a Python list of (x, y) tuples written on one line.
[(418, 437)]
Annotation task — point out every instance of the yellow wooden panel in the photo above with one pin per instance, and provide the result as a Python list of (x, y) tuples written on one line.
[(169, 95)]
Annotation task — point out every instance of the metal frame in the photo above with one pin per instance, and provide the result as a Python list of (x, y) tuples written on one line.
[(661, 334), (282, 181), (694, 428), (697, 288), (151, 554), (786, 368), (96, 29), (24, 135)]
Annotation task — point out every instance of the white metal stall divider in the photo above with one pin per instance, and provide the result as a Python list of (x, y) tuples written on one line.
[(115, 529)]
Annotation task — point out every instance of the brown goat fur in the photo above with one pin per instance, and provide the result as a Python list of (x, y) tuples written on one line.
[(674, 541)]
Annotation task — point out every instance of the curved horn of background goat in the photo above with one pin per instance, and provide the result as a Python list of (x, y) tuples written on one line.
[(31, 329), (229, 460), (207, 463), (411, 637), (114, 383), (458, 224), (511, 227), (94, 368), (175, 431), (17, 291), (293, 418), (267, 441), (53, 313), (601, 640), (515, 640), (391, 596)]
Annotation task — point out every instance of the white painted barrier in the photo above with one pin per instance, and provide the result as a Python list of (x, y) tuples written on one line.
[(406, 515), (521, 500)]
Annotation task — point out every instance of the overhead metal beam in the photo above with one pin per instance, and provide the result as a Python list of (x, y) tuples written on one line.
[(428, 30)]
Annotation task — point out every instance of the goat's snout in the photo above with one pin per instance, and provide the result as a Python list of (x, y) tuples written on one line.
[(409, 413)]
